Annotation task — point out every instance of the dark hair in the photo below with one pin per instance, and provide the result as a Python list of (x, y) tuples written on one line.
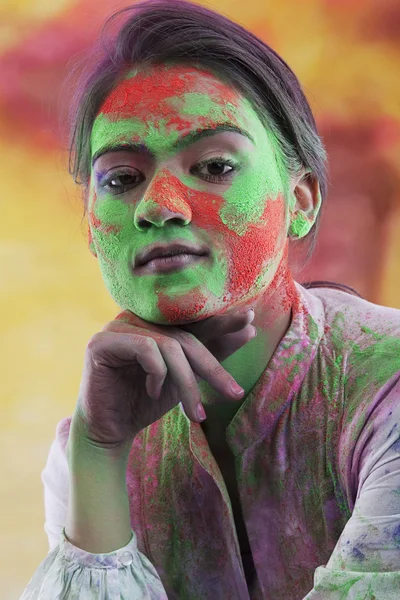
[(342, 287), (160, 31)]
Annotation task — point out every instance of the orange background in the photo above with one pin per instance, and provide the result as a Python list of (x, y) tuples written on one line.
[(346, 54)]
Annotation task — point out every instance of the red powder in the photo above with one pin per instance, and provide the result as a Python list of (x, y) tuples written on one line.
[(126, 99)]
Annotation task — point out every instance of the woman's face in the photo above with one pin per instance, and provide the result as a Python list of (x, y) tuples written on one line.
[(155, 189)]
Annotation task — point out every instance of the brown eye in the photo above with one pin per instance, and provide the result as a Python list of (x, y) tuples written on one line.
[(123, 180), (119, 182), (216, 164)]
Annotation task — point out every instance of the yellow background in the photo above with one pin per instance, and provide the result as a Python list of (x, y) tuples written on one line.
[(346, 55)]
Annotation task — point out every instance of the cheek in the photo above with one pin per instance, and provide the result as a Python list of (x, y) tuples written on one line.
[(104, 234), (261, 239), (247, 254), (107, 214), (257, 249)]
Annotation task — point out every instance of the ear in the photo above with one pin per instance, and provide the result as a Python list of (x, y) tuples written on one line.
[(305, 205), (91, 244)]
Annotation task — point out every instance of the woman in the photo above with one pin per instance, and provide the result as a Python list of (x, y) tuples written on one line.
[(289, 488)]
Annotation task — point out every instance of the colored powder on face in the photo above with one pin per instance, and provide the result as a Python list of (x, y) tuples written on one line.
[(158, 89), (245, 221)]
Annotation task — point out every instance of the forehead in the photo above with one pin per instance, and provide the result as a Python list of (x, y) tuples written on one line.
[(161, 103), (162, 89)]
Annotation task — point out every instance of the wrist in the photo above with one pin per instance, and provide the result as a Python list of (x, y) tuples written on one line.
[(79, 442)]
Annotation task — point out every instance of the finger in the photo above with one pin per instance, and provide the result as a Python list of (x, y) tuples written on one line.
[(127, 347), (124, 326), (204, 364), (130, 319), (225, 346), (206, 331), (127, 321), (185, 356), (182, 375), (203, 361), (175, 364), (220, 325)]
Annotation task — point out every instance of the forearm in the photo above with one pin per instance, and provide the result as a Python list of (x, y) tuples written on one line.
[(98, 518)]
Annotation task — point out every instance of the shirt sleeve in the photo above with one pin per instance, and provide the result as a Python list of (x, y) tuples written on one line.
[(365, 564), (70, 572)]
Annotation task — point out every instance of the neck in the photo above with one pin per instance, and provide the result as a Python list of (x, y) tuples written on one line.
[(273, 312)]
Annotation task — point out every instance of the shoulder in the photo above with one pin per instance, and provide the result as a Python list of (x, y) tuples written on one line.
[(365, 335), (362, 339), (357, 315)]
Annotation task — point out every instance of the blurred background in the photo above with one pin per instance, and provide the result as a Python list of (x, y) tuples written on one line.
[(346, 54)]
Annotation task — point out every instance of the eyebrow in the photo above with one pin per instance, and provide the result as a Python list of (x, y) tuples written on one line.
[(180, 144)]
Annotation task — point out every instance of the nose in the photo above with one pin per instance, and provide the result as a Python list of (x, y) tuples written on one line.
[(165, 199)]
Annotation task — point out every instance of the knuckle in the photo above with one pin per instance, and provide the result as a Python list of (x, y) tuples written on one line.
[(93, 348), (218, 371), (94, 341), (171, 345), (193, 388), (162, 371), (188, 339), (147, 342)]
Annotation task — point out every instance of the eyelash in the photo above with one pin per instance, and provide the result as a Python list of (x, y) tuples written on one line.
[(227, 162)]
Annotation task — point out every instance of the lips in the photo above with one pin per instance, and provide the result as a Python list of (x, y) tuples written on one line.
[(158, 250)]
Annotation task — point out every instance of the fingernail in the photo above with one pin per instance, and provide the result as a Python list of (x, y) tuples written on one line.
[(254, 333), (250, 312), (236, 389), (201, 415)]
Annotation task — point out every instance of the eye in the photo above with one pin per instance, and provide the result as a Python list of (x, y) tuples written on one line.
[(216, 164), (118, 182)]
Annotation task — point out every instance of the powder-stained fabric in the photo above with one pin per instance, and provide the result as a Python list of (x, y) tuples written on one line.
[(317, 455)]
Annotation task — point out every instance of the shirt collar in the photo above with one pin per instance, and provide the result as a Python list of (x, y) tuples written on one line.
[(279, 382)]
